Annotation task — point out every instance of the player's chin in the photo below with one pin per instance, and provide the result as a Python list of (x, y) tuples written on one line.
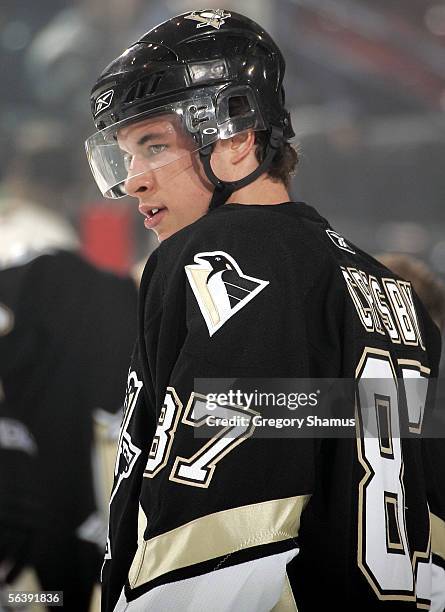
[(162, 233), (165, 230)]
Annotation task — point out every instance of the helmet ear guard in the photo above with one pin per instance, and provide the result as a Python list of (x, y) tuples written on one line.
[(233, 119), (208, 117)]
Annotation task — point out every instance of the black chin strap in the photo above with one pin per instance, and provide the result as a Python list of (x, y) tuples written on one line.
[(224, 189)]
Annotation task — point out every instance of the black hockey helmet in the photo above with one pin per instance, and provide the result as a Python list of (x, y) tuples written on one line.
[(193, 65)]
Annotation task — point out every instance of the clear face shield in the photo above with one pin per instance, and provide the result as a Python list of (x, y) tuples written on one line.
[(161, 137)]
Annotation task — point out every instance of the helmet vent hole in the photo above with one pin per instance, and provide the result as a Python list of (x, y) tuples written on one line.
[(143, 88), (239, 106)]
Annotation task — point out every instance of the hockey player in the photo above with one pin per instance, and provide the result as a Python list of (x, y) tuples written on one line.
[(246, 284)]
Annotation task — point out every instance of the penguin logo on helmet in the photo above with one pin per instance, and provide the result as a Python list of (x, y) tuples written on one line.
[(215, 18)]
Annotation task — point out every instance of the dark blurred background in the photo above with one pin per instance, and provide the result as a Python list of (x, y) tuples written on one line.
[(365, 83)]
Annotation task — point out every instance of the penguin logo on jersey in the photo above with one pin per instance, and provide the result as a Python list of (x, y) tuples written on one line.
[(220, 287)]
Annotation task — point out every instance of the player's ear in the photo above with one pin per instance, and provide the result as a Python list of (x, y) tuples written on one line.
[(228, 153), (241, 145)]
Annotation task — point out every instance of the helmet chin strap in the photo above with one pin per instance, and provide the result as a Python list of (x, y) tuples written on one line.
[(224, 189)]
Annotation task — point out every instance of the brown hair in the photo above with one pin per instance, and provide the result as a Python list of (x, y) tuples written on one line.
[(284, 164), (429, 287)]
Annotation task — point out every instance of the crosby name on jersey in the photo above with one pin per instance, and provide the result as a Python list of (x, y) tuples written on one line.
[(386, 307)]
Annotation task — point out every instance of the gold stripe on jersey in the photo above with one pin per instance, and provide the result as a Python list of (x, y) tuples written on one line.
[(437, 535), (217, 535), (287, 600)]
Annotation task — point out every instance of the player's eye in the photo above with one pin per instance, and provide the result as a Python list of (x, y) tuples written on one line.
[(147, 153), (156, 149)]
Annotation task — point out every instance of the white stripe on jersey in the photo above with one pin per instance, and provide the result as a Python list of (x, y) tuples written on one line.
[(254, 586)]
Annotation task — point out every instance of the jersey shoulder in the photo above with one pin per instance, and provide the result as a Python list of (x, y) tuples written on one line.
[(272, 236)]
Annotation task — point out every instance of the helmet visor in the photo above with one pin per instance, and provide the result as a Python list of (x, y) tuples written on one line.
[(145, 143), (161, 137)]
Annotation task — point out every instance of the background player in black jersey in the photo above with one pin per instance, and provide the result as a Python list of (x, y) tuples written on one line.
[(246, 284), (66, 334)]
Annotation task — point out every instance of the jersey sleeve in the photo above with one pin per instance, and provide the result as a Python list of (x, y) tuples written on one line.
[(137, 428), (220, 515)]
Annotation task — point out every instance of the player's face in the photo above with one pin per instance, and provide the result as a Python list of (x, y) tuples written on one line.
[(165, 174)]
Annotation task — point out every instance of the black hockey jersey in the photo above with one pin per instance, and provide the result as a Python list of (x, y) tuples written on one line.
[(239, 522), (66, 334)]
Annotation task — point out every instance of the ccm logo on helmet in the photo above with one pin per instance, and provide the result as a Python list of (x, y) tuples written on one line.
[(103, 101)]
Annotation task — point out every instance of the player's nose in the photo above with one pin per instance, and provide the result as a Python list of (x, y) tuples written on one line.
[(139, 181)]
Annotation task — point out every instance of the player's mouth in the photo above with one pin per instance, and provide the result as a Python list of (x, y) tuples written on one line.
[(153, 215)]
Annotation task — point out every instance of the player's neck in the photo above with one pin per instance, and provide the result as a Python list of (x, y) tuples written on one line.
[(262, 191)]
